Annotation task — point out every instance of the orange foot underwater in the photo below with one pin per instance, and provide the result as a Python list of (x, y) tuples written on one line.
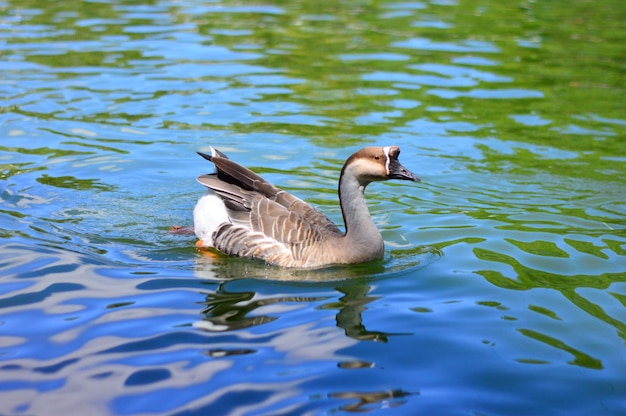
[(176, 229), (207, 251)]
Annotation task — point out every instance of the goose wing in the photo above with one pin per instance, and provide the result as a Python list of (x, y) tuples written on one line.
[(266, 222)]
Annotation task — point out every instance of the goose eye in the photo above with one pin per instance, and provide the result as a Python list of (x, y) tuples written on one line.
[(377, 157)]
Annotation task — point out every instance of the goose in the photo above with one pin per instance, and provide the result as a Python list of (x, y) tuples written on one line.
[(244, 215)]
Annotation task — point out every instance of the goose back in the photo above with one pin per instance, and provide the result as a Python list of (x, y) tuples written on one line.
[(265, 222)]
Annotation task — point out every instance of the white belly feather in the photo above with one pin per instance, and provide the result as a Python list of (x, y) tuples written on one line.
[(208, 214)]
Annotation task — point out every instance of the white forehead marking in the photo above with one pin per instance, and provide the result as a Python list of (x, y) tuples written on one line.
[(386, 150)]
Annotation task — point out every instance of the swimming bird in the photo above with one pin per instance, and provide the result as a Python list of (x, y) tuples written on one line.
[(244, 215)]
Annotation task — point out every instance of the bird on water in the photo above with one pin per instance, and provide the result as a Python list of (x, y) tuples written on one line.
[(244, 215)]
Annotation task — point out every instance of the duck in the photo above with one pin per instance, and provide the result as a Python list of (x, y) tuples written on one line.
[(244, 215)]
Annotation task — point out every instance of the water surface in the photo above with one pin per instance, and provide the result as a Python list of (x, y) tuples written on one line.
[(503, 288)]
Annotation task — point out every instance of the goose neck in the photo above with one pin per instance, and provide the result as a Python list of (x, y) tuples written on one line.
[(360, 229)]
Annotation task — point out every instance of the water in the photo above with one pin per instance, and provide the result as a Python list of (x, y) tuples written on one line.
[(503, 287)]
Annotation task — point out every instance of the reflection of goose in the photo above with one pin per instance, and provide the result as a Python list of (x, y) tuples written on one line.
[(231, 310), (368, 401), (242, 214)]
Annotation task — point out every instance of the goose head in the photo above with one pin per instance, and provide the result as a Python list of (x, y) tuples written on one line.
[(377, 164)]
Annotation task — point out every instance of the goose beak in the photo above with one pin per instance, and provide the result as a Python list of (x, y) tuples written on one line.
[(397, 171)]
